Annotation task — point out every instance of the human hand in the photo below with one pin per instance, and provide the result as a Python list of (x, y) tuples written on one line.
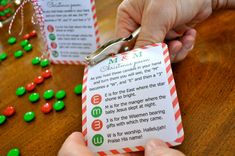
[(171, 21), (74, 145)]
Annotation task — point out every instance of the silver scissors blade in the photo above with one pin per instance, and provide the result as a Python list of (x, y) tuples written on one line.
[(111, 47)]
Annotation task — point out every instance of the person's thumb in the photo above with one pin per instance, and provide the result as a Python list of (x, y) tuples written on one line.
[(149, 35), (74, 145), (159, 148)]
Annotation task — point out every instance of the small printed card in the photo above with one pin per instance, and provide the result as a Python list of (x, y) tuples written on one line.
[(130, 98), (70, 28)]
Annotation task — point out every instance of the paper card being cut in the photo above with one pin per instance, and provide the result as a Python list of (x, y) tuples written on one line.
[(131, 98), (70, 29)]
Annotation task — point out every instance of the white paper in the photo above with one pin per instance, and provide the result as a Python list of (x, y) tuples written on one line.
[(133, 92), (70, 24)]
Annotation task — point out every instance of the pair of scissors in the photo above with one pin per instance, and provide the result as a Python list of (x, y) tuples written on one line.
[(111, 47)]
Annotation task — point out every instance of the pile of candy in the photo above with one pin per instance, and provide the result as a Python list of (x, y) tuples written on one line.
[(6, 9)]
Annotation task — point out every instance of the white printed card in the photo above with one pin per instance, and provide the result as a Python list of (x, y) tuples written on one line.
[(130, 98), (69, 28)]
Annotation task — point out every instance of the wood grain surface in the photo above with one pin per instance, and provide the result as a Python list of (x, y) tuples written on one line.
[(205, 84)]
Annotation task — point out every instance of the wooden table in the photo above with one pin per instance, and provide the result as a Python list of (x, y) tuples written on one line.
[(205, 83)]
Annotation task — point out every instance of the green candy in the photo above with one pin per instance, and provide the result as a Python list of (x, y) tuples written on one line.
[(44, 63), (12, 40), (52, 37), (3, 56), (29, 116), (18, 53), (24, 43), (3, 119), (4, 2), (78, 89), (20, 91), (34, 97), (28, 47), (48, 94), (6, 11), (36, 60), (60, 94), (14, 152), (2, 13), (59, 105)]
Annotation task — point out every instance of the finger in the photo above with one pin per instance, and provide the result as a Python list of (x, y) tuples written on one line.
[(152, 31), (128, 19), (157, 147), (74, 145), (188, 41), (174, 47)]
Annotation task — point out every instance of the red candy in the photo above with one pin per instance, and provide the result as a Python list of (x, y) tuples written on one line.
[(33, 33), (46, 108), (46, 74), (1, 8), (39, 80), (26, 36), (30, 87), (9, 111)]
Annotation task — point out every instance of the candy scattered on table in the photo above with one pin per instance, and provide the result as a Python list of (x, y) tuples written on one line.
[(34, 97), (18, 53), (46, 74), (78, 89), (36, 60), (20, 91), (30, 86), (9, 111), (44, 63), (58, 105), (33, 34), (60, 94), (52, 37), (46, 108), (29, 116), (3, 56), (24, 43), (48, 94), (3, 119), (28, 47), (26, 37), (39, 80), (14, 152), (12, 40)]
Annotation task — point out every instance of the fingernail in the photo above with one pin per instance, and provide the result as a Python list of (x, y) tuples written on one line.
[(153, 144)]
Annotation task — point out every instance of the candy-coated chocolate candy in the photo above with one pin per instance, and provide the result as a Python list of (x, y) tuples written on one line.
[(30, 86), (44, 63), (59, 105), (9, 111), (24, 43), (39, 80), (46, 108), (3, 119), (33, 33), (3, 2), (78, 89), (46, 74), (48, 94), (26, 36), (2, 14), (8, 10), (1, 8), (18, 54), (14, 152), (36, 60), (20, 91), (3, 56), (34, 97), (60, 94), (29, 116), (28, 47), (12, 40)]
